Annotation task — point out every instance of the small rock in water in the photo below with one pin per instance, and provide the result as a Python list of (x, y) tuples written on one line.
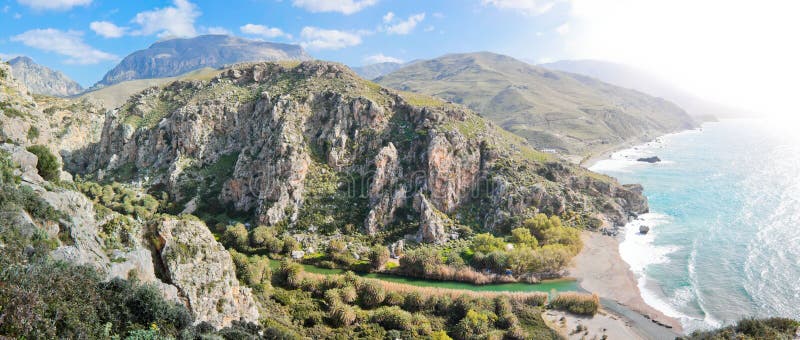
[(653, 159), (644, 229)]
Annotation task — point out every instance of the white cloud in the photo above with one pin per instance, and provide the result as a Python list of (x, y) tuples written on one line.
[(405, 27), (430, 28), (217, 30), (6, 8), (107, 29), (342, 6), (531, 7), (69, 43), (262, 31), (563, 29), (381, 58), (322, 39), (58, 5), (177, 21), (388, 17), (17, 16)]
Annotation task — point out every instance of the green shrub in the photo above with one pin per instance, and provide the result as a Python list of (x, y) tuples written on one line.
[(48, 165), (394, 299), (289, 274), (371, 292), (235, 236), (486, 243), (378, 256), (33, 133), (392, 318), (475, 324), (576, 303), (342, 314)]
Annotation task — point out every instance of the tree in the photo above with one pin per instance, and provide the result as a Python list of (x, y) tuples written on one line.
[(378, 256), (235, 236), (522, 236), (48, 165), (260, 235), (486, 243)]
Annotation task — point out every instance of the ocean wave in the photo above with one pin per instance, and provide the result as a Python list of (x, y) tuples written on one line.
[(639, 252)]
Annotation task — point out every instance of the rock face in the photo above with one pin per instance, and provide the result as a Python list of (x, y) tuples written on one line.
[(43, 80), (177, 56), (266, 138), (196, 269), (203, 272), (64, 125)]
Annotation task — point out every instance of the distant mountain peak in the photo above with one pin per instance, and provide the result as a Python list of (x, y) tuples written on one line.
[(40, 79), (172, 57)]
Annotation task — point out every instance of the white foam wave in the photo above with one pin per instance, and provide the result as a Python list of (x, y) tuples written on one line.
[(639, 252)]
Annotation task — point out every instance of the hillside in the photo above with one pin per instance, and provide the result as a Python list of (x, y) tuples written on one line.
[(275, 127), (373, 71), (575, 115), (43, 80), (114, 96), (174, 57), (632, 78)]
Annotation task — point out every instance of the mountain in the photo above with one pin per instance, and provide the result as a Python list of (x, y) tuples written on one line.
[(283, 143), (43, 80), (115, 95), (576, 115), (633, 78), (373, 71), (173, 57), (65, 124)]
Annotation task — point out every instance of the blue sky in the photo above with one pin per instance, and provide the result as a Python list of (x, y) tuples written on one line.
[(85, 38)]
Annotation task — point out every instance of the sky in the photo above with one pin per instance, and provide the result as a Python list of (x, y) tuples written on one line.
[(738, 52)]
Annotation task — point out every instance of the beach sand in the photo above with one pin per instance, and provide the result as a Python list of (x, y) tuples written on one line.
[(600, 269), (602, 324)]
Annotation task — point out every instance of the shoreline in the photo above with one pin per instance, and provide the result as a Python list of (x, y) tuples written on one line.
[(600, 269)]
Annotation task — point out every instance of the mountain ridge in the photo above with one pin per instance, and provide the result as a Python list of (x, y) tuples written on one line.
[(630, 77), (575, 115), (169, 58), (40, 79)]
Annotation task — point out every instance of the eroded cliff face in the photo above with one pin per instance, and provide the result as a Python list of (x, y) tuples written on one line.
[(189, 265), (203, 272), (258, 138)]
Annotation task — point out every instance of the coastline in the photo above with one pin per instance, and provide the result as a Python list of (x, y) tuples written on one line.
[(600, 269)]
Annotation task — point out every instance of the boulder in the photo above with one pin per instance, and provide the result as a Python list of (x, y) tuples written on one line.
[(644, 229), (203, 272), (653, 159)]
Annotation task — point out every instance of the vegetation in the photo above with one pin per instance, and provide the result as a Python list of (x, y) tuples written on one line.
[(576, 303), (48, 165), (125, 201), (33, 133), (747, 329), (541, 246)]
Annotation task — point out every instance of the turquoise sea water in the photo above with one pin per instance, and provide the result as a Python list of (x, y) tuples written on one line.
[(725, 222)]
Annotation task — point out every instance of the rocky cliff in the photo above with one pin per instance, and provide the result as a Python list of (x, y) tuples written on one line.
[(64, 125), (189, 265), (43, 80), (173, 57), (312, 146)]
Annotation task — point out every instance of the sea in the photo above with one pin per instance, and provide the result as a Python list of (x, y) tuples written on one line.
[(724, 239)]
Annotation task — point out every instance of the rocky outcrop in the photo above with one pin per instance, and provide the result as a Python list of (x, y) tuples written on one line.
[(432, 223), (275, 134), (203, 272), (43, 80), (653, 159)]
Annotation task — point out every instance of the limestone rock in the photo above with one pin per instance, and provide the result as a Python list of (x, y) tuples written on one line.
[(432, 223), (203, 272)]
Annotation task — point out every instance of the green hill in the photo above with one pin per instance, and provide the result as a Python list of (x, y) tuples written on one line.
[(575, 115)]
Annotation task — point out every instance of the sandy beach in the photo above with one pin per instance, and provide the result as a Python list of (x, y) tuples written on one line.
[(600, 269)]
